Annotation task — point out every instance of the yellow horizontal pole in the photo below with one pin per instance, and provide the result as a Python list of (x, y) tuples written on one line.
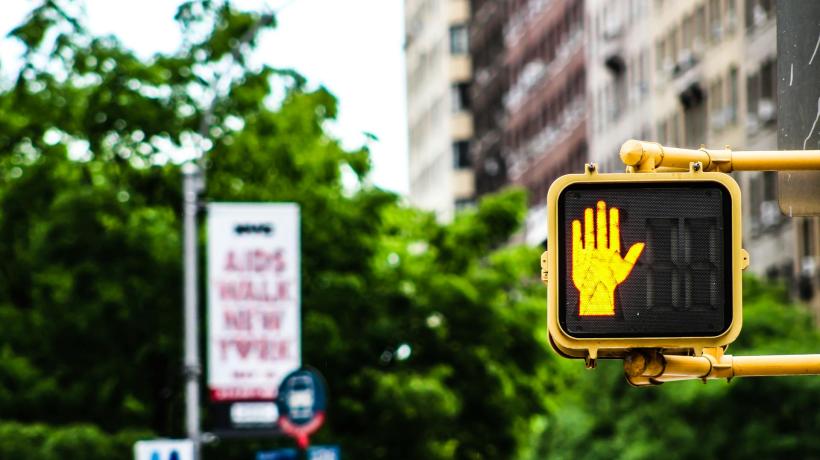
[(686, 366), (645, 156), (761, 366), (643, 367)]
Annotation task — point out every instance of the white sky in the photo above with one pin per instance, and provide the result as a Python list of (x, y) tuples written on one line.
[(352, 47)]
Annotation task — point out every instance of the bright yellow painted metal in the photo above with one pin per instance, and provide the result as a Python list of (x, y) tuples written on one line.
[(758, 366), (597, 265), (645, 156), (594, 348), (647, 367), (649, 361)]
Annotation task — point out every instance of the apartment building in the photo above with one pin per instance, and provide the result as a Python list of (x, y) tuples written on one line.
[(545, 131), (694, 73), (440, 121), (490, 83), (529, 98)]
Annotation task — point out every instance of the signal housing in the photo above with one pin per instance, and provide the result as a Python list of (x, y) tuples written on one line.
[(613, 334)]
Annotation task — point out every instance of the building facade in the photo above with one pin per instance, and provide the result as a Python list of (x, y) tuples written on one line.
[(557, 83), (490, 83), (694, 73), (440, 122)]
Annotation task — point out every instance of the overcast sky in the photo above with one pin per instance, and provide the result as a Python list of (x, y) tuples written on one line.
[(352, 47)]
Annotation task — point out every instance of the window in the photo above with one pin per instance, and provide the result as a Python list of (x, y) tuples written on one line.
[(674, 128), (461, 155), (673, 46), (758, 12), (716, 105), (464, 203), (750, 15), (765, 211), (731, 16), (660, 55), (700, 26), (752, 97), (808, 244), (767, 105), (694, 122), (688, 33), (715, 24), (458, 40), (733, 95), (768, 80), (769, 186), (460, 97)]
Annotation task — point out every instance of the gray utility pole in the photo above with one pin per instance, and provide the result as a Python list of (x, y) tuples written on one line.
[(193, 183)]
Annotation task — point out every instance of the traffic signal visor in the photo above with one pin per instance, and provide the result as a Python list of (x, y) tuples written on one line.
[(643, 261)]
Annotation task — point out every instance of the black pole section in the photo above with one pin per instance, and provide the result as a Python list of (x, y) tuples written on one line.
[(798, 100)]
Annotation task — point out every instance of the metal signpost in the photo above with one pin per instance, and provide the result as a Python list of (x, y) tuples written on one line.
[(193, 184)]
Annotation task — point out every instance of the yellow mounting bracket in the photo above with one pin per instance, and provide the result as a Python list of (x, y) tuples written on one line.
[(643, 156), (650, 366)]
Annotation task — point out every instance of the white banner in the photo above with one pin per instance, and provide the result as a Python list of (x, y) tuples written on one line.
[(254, 335)]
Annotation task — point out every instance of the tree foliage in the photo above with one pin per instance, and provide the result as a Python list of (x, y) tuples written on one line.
[(431, 336), (745, 418)]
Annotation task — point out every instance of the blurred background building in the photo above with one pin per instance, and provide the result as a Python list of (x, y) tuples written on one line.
[(440, 122), (529, 98), (544, 132), (558, 83)]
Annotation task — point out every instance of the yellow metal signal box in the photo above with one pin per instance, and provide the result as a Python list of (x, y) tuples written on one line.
[(643, 261)]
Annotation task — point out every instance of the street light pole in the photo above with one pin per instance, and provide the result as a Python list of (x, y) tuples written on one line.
[(193, 183)]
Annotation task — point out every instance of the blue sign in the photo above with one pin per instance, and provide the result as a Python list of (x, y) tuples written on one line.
[(279, 454), (324, 453), (313, 453), (164, 449)]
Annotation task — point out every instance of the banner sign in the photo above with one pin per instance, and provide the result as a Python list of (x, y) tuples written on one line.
[(254, 337)]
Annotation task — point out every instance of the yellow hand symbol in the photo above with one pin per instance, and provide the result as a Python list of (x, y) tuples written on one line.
[(597, 265)]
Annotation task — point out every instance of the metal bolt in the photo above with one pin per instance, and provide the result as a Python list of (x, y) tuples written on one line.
[(696, 166)]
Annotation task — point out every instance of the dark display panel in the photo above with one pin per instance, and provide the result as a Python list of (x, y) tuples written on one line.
[(676, 280)]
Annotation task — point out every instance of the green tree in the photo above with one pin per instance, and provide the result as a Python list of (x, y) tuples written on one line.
[(746, 418), (430, 337)]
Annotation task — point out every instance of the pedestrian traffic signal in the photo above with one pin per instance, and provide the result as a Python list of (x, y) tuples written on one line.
[(643, 260)]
